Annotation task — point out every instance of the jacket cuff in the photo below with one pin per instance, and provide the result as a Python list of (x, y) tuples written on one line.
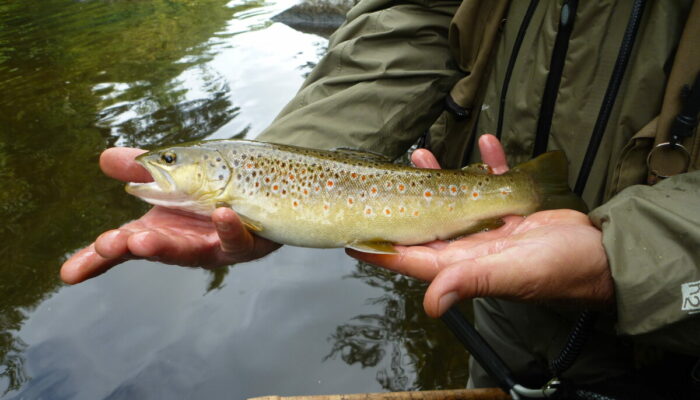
[(651, 235)]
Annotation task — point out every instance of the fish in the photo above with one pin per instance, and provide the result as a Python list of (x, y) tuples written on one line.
[(346, 198)]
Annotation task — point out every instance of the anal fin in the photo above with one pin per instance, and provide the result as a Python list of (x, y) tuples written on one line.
[(483, 225), (373, 247)]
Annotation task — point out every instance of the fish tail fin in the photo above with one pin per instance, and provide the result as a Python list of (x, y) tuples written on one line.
[(550, 171)]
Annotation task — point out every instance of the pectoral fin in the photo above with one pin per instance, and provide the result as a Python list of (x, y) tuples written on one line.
[(252, 225), (376, 247)]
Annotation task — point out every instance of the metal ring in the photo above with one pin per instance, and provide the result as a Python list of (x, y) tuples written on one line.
[(664, 147)]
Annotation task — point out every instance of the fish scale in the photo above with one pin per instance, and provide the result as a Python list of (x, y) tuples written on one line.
[(317, 198)]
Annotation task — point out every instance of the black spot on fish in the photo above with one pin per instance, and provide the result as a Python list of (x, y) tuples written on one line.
[(221, 177), (206, 157), (218, 159)]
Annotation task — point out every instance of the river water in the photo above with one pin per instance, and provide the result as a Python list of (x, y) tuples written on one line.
[(77, 77)]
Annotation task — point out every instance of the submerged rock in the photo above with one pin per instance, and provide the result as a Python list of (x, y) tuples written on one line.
[(320, 17)]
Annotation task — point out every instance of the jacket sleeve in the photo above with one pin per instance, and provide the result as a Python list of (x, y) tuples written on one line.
[(652, 238), (381, 84)]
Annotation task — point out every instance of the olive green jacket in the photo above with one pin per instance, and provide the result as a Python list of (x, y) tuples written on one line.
[(388, 70)]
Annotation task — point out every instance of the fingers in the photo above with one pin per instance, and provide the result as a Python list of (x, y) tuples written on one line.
[(113, 244), (417, 261), (236, 242), (492, 153), (468, 279), (118, 163), (423, 158), (86, 264)]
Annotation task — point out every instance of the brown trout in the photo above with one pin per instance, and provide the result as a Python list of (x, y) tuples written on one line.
[(346, 198)]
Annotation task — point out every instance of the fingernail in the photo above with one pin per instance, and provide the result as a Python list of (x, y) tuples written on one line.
[(222, 227), (446, 301)]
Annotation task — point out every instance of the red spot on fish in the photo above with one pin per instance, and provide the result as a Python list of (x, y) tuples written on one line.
[(428, 194), (353, 175)]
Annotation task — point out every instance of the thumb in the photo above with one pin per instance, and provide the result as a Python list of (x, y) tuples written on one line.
[(478, 277)]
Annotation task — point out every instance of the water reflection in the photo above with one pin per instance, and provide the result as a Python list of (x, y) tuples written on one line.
[(59, 61), (79, 76), (416, 345)]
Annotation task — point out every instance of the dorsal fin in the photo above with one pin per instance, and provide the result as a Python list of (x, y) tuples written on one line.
[(364, 155)]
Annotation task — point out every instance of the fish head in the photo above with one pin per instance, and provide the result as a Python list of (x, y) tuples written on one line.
[(189, 177)]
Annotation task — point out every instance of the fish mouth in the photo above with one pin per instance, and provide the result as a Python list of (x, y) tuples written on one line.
[(161, 187)]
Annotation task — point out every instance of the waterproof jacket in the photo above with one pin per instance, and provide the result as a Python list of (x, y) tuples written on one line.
[(389, 70)]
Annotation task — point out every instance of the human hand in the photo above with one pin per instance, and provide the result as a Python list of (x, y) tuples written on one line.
[(554, 255), (163, 234)]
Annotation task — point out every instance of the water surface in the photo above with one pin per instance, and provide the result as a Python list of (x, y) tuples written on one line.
[(77, 77)]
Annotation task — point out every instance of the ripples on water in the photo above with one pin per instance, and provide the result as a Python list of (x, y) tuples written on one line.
[(79, 76)]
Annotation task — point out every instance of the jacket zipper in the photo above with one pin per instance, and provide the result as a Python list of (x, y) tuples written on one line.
[(567, 16), (511, 63), (608, 103)]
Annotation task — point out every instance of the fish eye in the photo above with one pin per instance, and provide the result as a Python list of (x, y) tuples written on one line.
[(168, 157)]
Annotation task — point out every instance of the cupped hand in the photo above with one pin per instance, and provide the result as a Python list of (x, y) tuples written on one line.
[(163, 234), (554, 255)]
